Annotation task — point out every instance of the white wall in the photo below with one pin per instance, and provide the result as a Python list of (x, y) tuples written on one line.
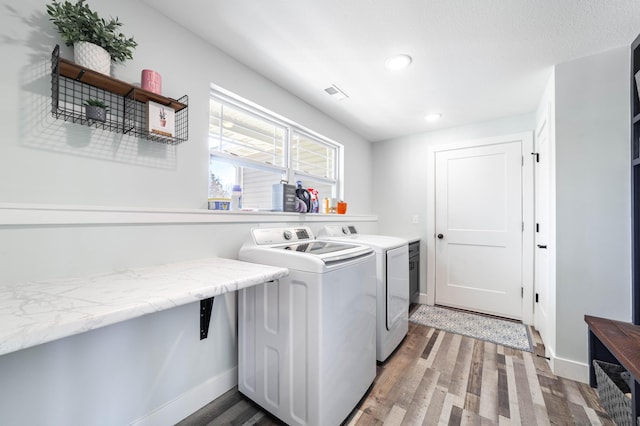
[(592, 183), (156, 362), (400, 177)]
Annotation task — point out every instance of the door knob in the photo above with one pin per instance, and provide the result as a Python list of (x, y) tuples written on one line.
[(542, 246), (440, 236)]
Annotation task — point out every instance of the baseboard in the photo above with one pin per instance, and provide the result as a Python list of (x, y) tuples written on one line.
[(569, 369), (422, 299), (190, 401)]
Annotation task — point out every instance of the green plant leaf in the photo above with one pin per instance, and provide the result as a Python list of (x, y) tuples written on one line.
[(77, 22)]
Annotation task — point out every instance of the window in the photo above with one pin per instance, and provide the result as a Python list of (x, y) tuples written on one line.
[(255, 148)]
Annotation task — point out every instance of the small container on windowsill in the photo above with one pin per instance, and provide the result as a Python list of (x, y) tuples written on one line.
[(219, 203)]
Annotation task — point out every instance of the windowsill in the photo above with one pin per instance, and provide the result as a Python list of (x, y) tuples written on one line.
[(16, 214)]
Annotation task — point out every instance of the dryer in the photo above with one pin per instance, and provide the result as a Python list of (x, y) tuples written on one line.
[(392, 283), (307, 342)]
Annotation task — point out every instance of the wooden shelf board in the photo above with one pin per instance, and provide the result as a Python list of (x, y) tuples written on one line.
[(76, 72)]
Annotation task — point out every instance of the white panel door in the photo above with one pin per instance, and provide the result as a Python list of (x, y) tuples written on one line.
[(478, 226), (541, 280)]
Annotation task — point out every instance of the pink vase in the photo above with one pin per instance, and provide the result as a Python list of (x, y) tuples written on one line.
[(151, 81)]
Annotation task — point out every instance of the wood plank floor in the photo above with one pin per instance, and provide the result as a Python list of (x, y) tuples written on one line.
[(439, 378)]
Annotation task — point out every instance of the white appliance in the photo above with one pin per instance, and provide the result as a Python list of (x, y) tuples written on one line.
[(392, 270), (306, 342)]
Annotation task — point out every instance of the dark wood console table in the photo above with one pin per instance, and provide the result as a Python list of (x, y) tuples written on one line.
[(616, 342)]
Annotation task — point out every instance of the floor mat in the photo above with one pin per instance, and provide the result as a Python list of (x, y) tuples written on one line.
[(501, 332)]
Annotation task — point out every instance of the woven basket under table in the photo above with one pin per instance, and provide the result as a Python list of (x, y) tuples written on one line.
[(613, 384)]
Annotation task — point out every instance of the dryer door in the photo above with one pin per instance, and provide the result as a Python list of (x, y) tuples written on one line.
[(397, 284)]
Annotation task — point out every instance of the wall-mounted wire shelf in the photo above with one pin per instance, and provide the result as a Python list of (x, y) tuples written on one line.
[(72, 85)]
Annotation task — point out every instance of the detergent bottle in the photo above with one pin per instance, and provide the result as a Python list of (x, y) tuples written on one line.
[(236, 198), (315, 202), (304, 196)]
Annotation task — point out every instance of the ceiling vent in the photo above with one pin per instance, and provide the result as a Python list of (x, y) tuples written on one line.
[(335, 92)]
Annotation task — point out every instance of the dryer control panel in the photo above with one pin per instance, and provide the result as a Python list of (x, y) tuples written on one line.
[(269, 236), (339, 230)]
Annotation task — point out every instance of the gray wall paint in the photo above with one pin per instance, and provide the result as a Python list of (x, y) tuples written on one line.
[(133, 368), (54, 162), (399, 183), (592, 194), (593, 228), (46, 161), (119, 373)]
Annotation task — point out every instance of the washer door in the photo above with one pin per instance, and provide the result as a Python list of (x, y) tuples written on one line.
[(397, 284)]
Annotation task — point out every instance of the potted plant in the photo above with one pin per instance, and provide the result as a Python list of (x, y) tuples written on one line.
[(83, 29), (95, 109)]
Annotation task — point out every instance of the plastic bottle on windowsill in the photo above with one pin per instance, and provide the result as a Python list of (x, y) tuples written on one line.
[(236, 198)]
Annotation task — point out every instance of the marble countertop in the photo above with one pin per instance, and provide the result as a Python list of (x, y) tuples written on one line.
[(32, 313)]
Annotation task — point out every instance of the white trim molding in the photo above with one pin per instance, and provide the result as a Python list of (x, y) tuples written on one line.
[(191, 401), (17, 214)]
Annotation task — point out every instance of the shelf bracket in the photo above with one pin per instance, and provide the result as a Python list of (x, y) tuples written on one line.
[(80, 75), (206, 306)]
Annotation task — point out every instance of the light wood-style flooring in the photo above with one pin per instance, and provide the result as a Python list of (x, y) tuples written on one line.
[(439, 378)]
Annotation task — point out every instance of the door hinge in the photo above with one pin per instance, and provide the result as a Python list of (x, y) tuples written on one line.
[(537, 227), (523, 160), (537, 156), (536, 297), (522, 292), (522, 226)]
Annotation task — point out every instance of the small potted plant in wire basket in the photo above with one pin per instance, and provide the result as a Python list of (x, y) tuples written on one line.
[(96, 110)]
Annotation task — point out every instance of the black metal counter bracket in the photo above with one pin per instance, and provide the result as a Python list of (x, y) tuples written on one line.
[(206, 305)]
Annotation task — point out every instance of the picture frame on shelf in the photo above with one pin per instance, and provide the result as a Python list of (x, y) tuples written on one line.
[(160, 120)]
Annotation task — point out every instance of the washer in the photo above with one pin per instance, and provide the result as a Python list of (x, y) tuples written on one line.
[(307, 342), (392, 270)]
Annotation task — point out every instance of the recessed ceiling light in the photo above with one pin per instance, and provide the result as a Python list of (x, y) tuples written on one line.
[(398, 62), (433, 117)]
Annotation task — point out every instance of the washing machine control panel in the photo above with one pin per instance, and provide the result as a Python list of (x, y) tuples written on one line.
[(265, 236)]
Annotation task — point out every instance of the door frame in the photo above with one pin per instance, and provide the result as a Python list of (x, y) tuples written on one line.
[(543, 123), (526, 139)]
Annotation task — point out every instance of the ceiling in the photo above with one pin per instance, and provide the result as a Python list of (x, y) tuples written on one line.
[(473, 60)]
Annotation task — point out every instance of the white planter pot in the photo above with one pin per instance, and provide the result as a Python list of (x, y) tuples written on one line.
[(92, 56)]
